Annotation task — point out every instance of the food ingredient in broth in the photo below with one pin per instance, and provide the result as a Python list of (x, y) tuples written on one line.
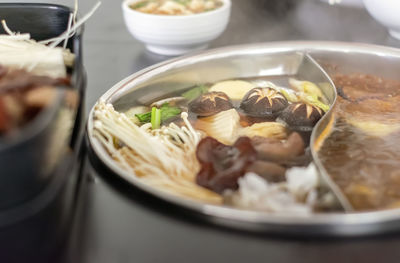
[(176, 7), (213, 141)]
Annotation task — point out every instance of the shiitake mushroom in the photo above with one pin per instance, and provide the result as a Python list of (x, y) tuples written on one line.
[(210, 103), (301, 116), (263, 103)]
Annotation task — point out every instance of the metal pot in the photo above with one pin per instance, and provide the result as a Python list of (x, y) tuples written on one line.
[(251, 61)]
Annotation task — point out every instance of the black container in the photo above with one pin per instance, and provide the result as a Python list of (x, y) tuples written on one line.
[(28, 159), (40, 164)]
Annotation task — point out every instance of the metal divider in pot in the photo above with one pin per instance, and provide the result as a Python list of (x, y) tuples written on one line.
[(311, 70)]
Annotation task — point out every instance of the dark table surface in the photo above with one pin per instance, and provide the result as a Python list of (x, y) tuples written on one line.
[(114, 223)]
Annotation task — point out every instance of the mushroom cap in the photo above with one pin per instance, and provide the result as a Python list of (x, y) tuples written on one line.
[(301, 116), (263, 102), (210, 103)]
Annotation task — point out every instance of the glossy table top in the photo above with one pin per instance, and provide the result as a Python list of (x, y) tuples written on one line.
[(115, 223)]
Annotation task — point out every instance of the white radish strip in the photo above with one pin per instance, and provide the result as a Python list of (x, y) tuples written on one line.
[(68, 30), (75, 26), (29, 55), (76, 5), (16, 37), (67, 34), (6, 28)]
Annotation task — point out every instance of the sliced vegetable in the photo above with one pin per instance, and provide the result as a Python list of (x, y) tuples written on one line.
[(222, 126), (306, 87), (314, 101), (235, 89), (165, 113), (43, 58), (144, 117), (169, 111), (155, 118), (309, 93), (195, 92), (265, 129)]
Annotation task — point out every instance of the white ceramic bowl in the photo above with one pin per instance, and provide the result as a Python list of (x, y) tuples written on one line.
[(386, 12), (350, 3), (176, 35)]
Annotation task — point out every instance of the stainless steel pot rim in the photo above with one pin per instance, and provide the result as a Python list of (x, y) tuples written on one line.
[(229, 213), (129, 82)]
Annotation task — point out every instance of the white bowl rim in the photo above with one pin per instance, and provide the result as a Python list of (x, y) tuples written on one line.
[(125, 6)]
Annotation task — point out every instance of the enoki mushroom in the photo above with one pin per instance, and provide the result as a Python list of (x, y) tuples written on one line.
[(164, 158), (44, 57)]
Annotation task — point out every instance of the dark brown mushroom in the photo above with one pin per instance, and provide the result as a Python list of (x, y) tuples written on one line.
[(223, 165), (301, 116), (279, 152), (4, 116), (210, 103), (270, 171), (263, 102)]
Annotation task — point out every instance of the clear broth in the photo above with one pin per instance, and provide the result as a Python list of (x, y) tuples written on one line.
[(362, 154)]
